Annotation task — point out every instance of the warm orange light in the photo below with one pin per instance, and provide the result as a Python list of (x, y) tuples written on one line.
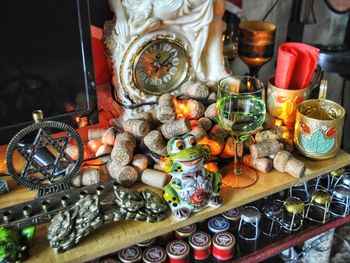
[(215, 147), (182, 108), (278, 122), (212, 167)]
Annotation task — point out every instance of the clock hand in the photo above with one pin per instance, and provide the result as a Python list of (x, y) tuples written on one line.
[(162, 64)]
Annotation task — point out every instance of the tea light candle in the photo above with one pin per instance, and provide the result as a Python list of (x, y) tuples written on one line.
[(178, 251), (223, 245), (218, 224), (131, 254), (201, 244), (184, 232), (154, 254)]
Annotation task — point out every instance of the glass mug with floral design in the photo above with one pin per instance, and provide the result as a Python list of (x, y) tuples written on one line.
[(283, 103), (319, 127)]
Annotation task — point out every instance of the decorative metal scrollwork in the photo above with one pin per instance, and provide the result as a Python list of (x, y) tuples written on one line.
[(47, 167)]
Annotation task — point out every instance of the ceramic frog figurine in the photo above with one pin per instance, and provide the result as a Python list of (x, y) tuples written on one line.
[(192, 187), (14, 246)]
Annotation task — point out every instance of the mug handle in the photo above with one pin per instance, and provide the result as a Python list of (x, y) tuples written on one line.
[(322, 94), (316, 78)]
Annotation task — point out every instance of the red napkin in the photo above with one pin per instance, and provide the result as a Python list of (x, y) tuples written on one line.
[(296, 64)]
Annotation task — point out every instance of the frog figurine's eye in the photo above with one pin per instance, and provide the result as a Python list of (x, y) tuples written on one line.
[(179, 145), (192, 141)]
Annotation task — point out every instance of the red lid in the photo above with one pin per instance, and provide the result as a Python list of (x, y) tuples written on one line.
[(186, 231), (224, 240), (130, 254), (154, 255), (223, 245), (177, 249), (200, 240)]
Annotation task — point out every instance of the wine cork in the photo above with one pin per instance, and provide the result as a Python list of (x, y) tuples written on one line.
[(218, 132), (95, 133), (229, 150), (199, 133), (154, 178), (195, 90), (288, 145), (268, 135), (212, 97), (210, 112), (265, 148), (90, 176), (205, 123), (140, 162), (155, 142), (280, 160), (72, 151), (94, 144), (263, 164), (76, 178), (166, 108), (123, 148), (175, 128), (157, 166), (108, 137), (269, 122), (195, 109), (138, 128), (295, 167), (124, 175), (216, 145), (249, 141), (143, 116), (104, 149)]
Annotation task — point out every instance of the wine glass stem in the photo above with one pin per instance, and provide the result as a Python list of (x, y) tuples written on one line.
[(254, 72), (238, 158)]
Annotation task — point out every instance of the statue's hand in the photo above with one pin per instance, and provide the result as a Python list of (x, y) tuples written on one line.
[(122, 29)]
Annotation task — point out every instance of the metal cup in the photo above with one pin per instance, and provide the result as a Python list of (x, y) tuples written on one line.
[(319, 127), (283, 103)]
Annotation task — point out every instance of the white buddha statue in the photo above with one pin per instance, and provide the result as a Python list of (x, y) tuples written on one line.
[(198, 20)]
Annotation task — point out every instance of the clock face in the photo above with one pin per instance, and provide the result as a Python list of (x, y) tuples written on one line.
[(160, 67)]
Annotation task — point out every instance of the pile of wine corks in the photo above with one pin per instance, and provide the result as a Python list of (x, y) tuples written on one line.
[(268, 149)]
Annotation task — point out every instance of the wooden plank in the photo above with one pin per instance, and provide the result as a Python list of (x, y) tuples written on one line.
[(115, 236)]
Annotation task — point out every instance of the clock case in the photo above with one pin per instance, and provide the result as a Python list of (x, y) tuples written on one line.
[(125, 91)]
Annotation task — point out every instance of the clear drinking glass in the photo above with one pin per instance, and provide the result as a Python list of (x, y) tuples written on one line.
[(240, 109)]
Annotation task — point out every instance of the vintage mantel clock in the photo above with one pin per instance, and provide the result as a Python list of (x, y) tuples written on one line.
[(154, 46)]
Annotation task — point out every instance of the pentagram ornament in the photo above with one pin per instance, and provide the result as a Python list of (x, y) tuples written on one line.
[(47, 167)]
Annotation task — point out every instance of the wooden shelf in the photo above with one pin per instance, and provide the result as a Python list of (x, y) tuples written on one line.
[(115, 236)]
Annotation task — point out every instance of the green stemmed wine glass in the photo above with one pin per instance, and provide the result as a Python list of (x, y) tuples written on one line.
[(240, 109)]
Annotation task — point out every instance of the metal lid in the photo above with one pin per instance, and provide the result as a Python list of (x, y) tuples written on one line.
[(154, 254), (177, 249), (341, 192), (218, 224), (232, 214), (273, 210), (224, 240), (294, 205), (346, 178), (337, 172), (250, 214), (186, 231), (200, 240), (146, 243), (321, 197), (130, 254)]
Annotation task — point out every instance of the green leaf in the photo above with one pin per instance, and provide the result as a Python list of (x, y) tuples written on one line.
[(317, 138), (307, 144), (325, 146)]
